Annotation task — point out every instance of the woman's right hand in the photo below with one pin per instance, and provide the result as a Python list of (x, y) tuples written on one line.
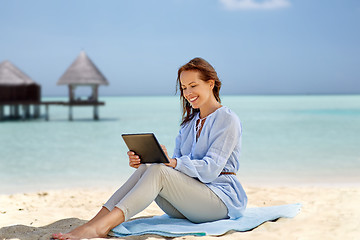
[(134, 160)]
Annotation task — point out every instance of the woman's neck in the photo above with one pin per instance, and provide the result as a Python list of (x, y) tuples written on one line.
[(207, 110)]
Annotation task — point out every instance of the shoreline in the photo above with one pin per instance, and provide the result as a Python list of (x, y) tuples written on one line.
[(253, 181), (327, 212)]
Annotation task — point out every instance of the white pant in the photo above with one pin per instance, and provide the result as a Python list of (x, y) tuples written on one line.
[(177, 194)]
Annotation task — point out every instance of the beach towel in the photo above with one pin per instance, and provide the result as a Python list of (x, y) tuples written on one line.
[(174, 227)]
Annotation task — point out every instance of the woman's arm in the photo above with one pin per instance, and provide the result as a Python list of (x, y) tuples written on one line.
[(172, 161), (177, 152), (224, 135)]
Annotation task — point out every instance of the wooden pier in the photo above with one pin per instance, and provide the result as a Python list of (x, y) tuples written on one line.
[(95, 106), (22, 109), (21, 94)]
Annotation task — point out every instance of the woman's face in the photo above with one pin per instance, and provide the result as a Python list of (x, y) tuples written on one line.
[(196, 91)]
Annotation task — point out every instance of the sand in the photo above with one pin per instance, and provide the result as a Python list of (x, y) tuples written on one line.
[(327, 213)]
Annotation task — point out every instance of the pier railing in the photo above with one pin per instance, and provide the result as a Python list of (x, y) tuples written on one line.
[(22, 109)]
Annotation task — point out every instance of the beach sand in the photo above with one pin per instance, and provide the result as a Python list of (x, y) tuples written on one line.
[(327, 213)]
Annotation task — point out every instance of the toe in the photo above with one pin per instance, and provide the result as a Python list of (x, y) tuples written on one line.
[(56, 235)]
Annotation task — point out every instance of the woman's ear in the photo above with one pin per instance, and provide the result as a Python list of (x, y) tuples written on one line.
[(211, 83)]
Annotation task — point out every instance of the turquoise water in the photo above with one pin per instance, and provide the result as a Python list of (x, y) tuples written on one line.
[(286, 140)]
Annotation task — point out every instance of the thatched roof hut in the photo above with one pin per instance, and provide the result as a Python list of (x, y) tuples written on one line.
[(83, 72), (16, 86)]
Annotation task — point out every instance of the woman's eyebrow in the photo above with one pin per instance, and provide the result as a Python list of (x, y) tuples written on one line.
[(187, 84)]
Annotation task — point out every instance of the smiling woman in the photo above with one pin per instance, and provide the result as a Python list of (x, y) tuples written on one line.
[(203, 166), (197, 79)]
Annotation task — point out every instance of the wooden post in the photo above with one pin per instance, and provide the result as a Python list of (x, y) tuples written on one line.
[(12, 111), (1, 112), (27, 111), (96, 112), (23, 112), (95, 93), (16, 111), (71, 93), (70, 113), (47, 112), (36, 111)]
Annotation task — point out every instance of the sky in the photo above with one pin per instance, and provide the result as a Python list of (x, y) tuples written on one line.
[(256, 46)]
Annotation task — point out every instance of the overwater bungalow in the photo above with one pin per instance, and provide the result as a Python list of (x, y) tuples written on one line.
[(83, 72), (19, 92)]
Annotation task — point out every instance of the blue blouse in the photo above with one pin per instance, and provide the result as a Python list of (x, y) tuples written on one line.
[(216, 150)]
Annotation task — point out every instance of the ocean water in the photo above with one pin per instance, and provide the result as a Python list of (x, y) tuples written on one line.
[(302, 140)]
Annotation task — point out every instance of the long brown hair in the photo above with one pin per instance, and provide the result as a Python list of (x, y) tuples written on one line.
[(206, 73)]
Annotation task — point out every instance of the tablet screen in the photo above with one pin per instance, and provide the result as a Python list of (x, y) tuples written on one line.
[(146, 146)]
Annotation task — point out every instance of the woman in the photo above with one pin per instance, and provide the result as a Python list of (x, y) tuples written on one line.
[(199, 182)]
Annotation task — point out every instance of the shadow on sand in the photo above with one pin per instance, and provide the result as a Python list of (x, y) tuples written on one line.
[(23, 232)]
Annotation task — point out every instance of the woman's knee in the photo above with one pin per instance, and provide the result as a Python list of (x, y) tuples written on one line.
[(161, 170), (158, 168), (142, 167)]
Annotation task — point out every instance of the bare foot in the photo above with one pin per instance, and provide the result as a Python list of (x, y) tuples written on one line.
[(63, 236), (96, 228), (56, 236), (84, 231)]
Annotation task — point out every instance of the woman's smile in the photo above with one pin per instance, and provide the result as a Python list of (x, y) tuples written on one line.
[(196, 91), (193, 99)]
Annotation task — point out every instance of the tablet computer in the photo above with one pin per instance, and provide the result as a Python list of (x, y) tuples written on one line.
[(146, 146)]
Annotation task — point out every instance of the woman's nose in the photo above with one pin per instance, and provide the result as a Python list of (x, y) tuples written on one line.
[(187, 93)]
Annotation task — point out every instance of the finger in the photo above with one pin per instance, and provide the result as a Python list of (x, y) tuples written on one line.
[(135, 165), (163, 148), (133, 155), (130, 153), (135, 161), (134, 158), (132, 165)]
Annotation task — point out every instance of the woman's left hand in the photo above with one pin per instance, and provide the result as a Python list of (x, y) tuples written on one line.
[(172, 161)]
